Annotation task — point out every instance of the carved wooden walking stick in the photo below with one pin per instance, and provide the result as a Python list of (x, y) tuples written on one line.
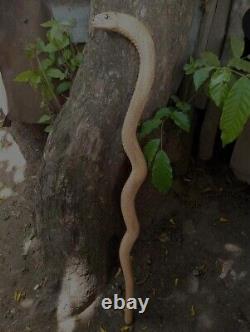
[(138, 34)]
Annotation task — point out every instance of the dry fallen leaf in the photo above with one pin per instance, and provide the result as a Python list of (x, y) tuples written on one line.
[(163, 237), (193, 311), (19, 295), (125, 329), (102, 329), (224, 220)]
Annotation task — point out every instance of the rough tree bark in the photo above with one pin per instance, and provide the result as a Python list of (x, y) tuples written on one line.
[(84, 165)]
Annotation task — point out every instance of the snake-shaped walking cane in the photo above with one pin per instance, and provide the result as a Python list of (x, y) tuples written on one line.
[(139, 35)]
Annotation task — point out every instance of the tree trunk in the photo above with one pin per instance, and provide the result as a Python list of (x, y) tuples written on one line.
[(84, 165)]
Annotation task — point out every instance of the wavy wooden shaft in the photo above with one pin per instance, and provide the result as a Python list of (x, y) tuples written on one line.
[(142, 40), (138, 34)]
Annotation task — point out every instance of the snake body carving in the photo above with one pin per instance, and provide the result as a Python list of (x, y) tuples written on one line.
[(139, 35)]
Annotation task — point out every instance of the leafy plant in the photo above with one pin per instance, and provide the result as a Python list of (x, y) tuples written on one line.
[(157, 159), (54, 65), (227, 85)]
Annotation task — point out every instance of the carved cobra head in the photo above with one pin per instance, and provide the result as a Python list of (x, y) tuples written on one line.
[(106, 21)]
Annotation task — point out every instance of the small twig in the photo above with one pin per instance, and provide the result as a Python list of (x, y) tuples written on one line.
[(58, 106)]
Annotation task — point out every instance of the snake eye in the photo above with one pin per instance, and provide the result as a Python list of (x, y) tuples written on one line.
[(106, 17)]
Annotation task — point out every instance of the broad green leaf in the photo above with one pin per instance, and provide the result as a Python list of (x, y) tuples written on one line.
[(162, 175), (222, 75), (163, 113), (201, 76), (211, 59), (56, 73), (45, 119), (182, 120), (149, 126), (150, 150), (25, 76), (240, 64), (29, 76), (63, 87), (218, 86), (236, 111), (237, 46), (219, 94)]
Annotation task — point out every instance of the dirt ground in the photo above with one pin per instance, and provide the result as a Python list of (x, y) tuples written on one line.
[(193, 264)]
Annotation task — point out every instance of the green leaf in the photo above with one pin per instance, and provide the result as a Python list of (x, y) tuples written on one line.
[(46, 63), (63, 87), (48, 129), (40, 45), (52, 56), (201, 76), (189, 69), (181, 105), (45, 119), (175, 99), (193, 65), (30, 51), (236, 111), (25, 76), (148, 126), (79, 58), (182, 120), (56, 73), (240, 64), (67, 53), (56, 33), (150, 150), (60, 61), (62, 42), (218, 86), (29, 76), (237, 46), (50, 48), (163, 113), (162, 175), (184, 106), (211, 59), (48, 24), (35, 79)]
